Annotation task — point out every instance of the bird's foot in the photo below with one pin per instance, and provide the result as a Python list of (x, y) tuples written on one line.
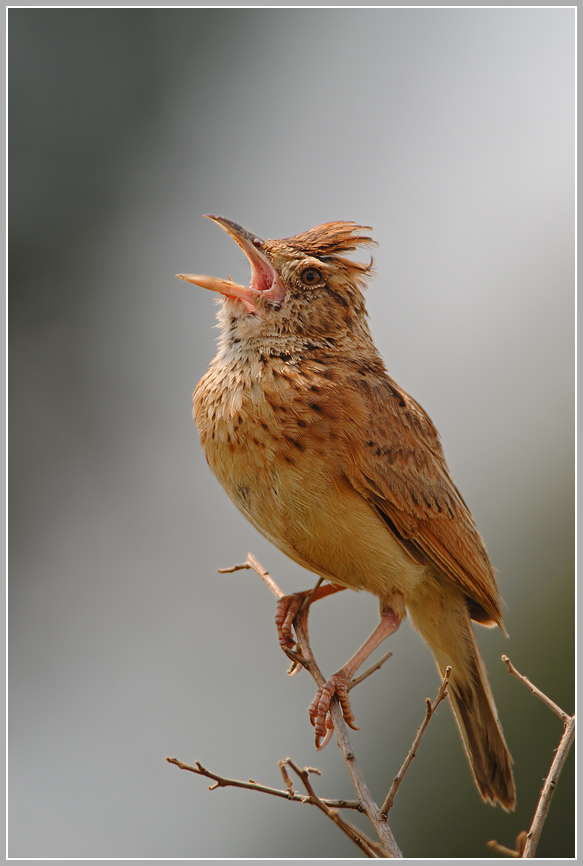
[(287, 607), (319, 711)]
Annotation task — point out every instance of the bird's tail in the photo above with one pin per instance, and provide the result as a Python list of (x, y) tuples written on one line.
[(448, 631)]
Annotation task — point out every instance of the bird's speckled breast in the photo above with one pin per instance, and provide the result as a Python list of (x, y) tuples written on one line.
[(268, 428), (253, 416)]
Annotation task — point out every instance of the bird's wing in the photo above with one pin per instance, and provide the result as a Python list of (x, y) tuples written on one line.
[(402, 472)]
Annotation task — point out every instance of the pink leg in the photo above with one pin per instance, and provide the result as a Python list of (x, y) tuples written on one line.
[(288, 606), (338, 683)]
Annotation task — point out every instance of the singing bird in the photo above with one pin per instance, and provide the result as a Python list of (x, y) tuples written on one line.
[(344, 472)]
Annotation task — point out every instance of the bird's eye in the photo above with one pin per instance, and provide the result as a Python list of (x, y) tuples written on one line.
[(310, 277)]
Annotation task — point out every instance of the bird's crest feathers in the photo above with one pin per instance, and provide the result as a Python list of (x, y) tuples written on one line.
[(329, 240)]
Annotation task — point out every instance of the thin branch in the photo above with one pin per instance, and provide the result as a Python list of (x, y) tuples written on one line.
[(305, 605), (370, 807), (510, 852), (431, 707), (302, 656), (368, 846), (251, 785), (251, 562), (298, 661), (288, 782), (306, 659), (556, 709), (526, 843), (369, 671), (548, 789), (230, 569)]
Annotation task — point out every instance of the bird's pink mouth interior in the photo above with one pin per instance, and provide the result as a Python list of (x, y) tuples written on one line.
[(265, 280), (263, 274)]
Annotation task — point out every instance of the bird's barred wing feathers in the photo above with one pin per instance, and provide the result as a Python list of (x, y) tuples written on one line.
[(407, 480)]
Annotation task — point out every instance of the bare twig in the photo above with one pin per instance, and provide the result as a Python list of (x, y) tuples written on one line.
[(368, 846), (370, 807), (306, 659), (288, 782), (526, 843), (303, 656), (305, 605), (564, 716), (251, 785), (510, 852), (230, 569), (298, 661), (431, 707), (548, 790), (377, 666), (251, 562)]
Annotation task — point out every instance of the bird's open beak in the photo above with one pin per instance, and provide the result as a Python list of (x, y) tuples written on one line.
[(265, 280)]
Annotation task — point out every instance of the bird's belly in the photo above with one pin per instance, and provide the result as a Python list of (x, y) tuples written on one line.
[(299, 499)]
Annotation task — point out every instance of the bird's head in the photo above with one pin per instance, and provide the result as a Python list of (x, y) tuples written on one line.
[(302, 285)]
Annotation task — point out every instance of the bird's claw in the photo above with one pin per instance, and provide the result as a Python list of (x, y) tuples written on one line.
[(320, 707), (287, 607)]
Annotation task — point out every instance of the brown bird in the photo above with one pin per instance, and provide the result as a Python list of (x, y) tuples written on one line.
[(344, 472)]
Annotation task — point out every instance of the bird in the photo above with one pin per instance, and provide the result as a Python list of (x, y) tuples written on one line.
[(342, 470)]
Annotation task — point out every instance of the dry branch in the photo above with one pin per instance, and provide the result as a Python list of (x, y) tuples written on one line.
[(306, 659), (252, 785), (431, 707), (376, 667), (527, 842), (368, 846), (302, 656), (551, 704)]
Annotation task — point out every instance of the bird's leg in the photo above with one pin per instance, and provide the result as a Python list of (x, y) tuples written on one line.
[(288, 606), (339, 683)]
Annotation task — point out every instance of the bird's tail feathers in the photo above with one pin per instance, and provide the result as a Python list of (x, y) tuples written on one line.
[(450, 637)]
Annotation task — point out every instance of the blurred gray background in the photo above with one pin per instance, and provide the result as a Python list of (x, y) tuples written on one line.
[(451, 132)]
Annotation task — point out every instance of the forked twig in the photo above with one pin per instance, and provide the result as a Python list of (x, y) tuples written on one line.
[(302, 656), (371, 809), (526, 843), (252, 785), (306, 659), (511, 852), (251, 562), (368, 846)]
